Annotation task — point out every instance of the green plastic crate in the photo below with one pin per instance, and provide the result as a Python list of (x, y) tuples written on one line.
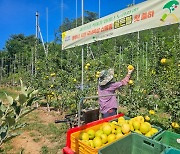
[(172, 151), (169, 139), (134, 144)]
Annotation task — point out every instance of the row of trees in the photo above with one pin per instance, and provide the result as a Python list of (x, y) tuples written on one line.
[(21, 51)]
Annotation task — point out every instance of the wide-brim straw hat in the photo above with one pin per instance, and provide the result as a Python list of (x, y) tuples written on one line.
[(106, 76)]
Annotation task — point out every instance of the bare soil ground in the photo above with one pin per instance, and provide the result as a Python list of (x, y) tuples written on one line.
[(40, 136)]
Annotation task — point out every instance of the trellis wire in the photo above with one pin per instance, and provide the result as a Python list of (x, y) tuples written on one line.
[(137, 66), (146, 58)]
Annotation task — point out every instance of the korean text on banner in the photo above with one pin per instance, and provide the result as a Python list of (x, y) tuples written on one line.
[(146, 15)]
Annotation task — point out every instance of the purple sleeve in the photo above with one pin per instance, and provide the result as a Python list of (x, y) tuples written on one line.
[(116, 85)]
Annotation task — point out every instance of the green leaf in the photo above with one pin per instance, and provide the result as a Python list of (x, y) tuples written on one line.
[(23, 91), (3, 131), (3, 108), (10, 100), (21, 83), (22, 98), (23, 88), (17, 110), (17, 98), (1, 114), (29, 93), (14, 104), (30, 101), (10, 121), (33, 93), (3, 135)]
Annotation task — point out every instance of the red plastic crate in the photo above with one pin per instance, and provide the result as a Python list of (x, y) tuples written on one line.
[(75, 129), (67, 150)]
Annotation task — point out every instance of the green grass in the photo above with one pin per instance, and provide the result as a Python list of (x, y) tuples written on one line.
[(53, 130), (32, 134), (37, 139), (44, 150), (35, 123), (55, 149), (38, 130), (21, 151), (6, 148)]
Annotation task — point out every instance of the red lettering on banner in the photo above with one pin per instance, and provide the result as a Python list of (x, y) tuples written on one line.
[(75, 37), (98, 30), (89, 33), (151, 14), (107, 27), (83, 34), (144, 16), (137, 18), (110, 26), (94, 31)]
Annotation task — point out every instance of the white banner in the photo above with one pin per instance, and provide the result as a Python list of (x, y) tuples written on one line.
[(146, 15)]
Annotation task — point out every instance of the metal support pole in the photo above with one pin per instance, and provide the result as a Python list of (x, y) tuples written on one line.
[(179, 31), (37, 24), (82, 51), (133, 2), (76, 13), (146, 58), (137, 59), (47, 30), (82, 74), (120, 58), (2, 67), (82, 12), (32, 62), (42, 42), (99, 8), (37, 30), (79, 111), (62, 11)]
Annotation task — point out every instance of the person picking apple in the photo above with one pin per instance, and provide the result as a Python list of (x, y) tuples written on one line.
[(108, 104)]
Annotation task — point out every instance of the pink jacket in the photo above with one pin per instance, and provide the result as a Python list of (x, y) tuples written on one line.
[(109, 102)]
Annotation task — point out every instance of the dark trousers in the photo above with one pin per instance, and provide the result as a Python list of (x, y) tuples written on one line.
[(109, 113)]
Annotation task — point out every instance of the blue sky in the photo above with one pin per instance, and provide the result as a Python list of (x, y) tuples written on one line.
[(18, 16)]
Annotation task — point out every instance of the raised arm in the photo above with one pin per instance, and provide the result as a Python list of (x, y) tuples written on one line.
[(123, 82)]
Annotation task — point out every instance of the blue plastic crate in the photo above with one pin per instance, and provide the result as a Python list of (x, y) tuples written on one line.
[(172, 151)]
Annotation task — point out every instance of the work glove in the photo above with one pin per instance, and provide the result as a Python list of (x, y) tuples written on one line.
[(130, 71)]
